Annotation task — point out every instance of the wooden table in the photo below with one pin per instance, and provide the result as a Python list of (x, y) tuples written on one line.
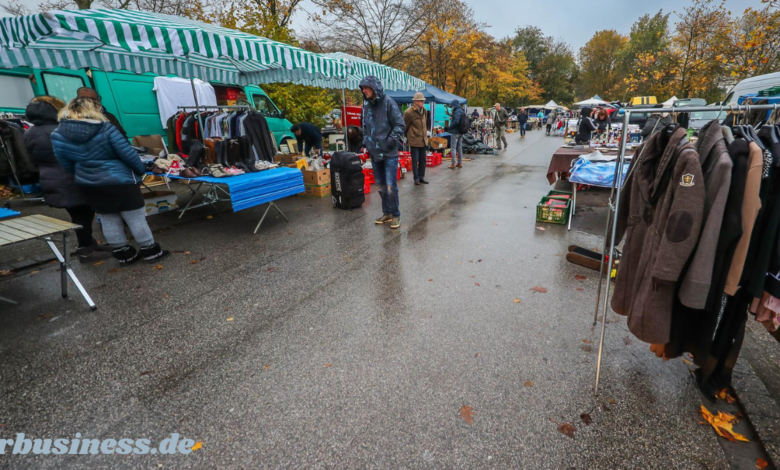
[(34, 227)]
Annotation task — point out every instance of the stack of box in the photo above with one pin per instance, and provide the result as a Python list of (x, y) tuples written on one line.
[(291, 160), (317, 183), (433, 159)]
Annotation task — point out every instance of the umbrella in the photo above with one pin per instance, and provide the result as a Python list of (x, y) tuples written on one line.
[(142, 42)]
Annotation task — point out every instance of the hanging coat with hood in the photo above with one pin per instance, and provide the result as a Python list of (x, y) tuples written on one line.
[(383, 124), (661, 217), (59, 188)]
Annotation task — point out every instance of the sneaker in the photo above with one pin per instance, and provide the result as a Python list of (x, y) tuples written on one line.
[(90, 254), (153, 253), (460, 165), (384, 219), (126, 255), (396, 222)]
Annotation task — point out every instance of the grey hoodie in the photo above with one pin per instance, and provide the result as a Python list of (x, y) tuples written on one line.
[(383, 124)]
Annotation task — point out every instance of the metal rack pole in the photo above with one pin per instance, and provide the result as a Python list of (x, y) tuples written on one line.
[(614, 210)]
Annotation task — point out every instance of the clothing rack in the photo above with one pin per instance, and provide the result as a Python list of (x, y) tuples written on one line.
[(198, 109), (617, 185)]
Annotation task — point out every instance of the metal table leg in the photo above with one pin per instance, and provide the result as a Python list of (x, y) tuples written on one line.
[(573, 204), (270, 204), (65, 271)]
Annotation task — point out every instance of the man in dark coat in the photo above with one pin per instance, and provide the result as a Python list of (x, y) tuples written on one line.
[(86, 92), (383, 131), (309, 137), (661, 217), (587, 126), (456, 139), (522, 121)]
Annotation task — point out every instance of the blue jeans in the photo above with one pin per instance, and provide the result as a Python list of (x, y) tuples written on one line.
[(386, 174), (522, 129), (456, 147)]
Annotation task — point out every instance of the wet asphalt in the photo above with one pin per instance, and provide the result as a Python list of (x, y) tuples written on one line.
[(329, 342)]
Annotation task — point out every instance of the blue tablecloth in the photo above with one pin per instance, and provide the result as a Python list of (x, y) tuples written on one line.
[(5, 213), (601, 174)]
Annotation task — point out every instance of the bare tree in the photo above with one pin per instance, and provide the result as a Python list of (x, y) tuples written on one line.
[(383, 31)]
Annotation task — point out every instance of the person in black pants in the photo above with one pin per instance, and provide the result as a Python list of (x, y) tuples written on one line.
[(59, 188), (309, 135), (522, 121), (416, 120)]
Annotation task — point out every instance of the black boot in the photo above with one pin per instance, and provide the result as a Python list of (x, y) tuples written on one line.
[(126, 255), (153, 253)]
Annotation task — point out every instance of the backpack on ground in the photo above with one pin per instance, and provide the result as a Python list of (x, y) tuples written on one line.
[(347, 180)]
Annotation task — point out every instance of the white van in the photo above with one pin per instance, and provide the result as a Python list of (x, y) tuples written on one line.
[(751, 85)]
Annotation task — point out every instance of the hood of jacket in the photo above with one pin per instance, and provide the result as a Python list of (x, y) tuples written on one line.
[(373, 83), (41, 112), (79, 131), (455, 104), (658, 147), (585, 112)]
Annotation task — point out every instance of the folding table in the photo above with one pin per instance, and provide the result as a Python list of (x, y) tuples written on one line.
[(34, 227)]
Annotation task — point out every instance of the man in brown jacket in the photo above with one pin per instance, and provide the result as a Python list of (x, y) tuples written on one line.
[(661, 210), (416, 120)]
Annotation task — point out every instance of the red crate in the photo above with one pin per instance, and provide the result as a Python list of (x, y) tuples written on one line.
[(433, 159), (369, 174), (366, 186), (405, 162)]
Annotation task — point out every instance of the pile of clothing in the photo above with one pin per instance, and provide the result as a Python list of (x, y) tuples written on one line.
[(701, 226), (475, 146)]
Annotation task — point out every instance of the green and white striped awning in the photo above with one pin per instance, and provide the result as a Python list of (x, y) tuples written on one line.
[(392, 79), (142, 42)]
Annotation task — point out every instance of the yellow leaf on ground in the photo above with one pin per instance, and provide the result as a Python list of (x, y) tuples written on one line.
[(99, 263), (723, 394), (158, 267), (467, 414), (197, 446), (517, 301), (328, 365), (529, 383), (210, 217), (761, 464), (230, 319), (723, 424)]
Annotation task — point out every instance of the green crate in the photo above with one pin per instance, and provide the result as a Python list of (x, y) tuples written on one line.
[(554, 193), (770, 91), (550, 215)]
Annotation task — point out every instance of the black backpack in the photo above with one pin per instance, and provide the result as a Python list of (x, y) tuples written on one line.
[(465, 124), (347, 180)]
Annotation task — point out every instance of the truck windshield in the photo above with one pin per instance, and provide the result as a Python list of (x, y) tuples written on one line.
[(264, 105)]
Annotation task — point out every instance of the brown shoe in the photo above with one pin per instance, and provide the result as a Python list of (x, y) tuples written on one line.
[(460, 165), (452, 167)]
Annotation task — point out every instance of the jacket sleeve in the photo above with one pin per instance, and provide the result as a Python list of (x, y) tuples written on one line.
[(407, 122), (397, 126), (685, 218), (62, 155), (126, 154), (456, 117), (624, 211)]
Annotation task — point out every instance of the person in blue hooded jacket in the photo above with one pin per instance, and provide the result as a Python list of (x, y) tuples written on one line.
[(456, 140), (108, 172), (383, 130)]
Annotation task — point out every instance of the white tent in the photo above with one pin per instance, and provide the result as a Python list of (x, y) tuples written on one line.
[(592, 102), (550, 105), (669, 102)]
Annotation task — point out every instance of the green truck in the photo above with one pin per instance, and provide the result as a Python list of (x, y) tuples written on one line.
[(128, 96)]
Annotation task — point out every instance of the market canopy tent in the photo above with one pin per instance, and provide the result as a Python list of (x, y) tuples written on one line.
[(431, 94), (595, 101), (550, 105), (141, 42), (358, 69)]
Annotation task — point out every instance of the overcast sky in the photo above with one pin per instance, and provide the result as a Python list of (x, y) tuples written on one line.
[(575, 21)]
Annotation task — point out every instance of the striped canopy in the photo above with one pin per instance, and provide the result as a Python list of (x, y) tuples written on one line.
[(141, 42), (392, 79)]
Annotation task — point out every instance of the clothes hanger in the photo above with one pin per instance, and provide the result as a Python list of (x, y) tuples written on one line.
[(769, 134), (749, 130)]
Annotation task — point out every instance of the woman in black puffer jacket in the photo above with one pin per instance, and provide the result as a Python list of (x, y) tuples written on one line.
[(58, 186)]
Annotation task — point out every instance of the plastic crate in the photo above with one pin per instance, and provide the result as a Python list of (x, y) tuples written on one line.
[(366, 186), (433, 159), (369, 174), (562, 193), (405, 162), (770, 91), (552, 215)]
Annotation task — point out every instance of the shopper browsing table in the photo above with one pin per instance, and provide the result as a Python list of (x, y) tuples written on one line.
[(383, 129), (108, 173), (416, 121), (89, 93), (309, 137), (499, 122)]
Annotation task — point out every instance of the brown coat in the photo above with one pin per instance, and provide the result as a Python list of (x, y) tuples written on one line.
[(416, 127), (661, 210), (751, 204), (716, 168)]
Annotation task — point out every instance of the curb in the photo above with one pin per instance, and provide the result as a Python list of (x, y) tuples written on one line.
[(761, 409)]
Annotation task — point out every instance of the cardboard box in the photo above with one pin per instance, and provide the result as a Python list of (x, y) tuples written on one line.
[(316, 177), (299, 164), (157, 202), (287, 158), (316, 191), (438, 143)]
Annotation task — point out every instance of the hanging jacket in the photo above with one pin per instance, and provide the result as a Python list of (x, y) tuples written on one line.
[(661, 218), (383, 125), (416, 122), (457, 115), (769, 253), (258, 137), (13, 139), (716, 169), (59, 187), (96, 153)]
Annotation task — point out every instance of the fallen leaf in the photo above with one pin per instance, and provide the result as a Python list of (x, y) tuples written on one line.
[(580, 277), (6, 272), (580, 289), (585, 417), (45, 316), (348, 260), (328, 365), (476, 355), (479, 261), (529, 383), (476, 284), (267, 366), (541, 228), (115, 270), (723, 394), (586, 348), (230, 319), (147, 372), (612, 401), (467, 414), (194, 261), (687, 362), (762, 464), (517, 301), (34, 273), (158, 267), (541, 290), (586, 341), (430, 280), (186, 252), (723, 424), (198, 444), (209, 217), (567, 429), (99, 263)]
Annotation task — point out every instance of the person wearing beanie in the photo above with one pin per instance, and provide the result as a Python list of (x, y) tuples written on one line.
[(416, 120)]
